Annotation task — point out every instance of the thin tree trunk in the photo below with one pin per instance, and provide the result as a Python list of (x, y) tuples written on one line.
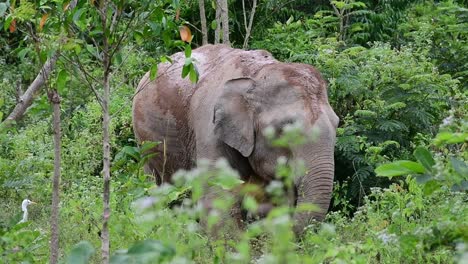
[(105, 247), (28, 96), (54, 218), (106, 168), (201, 4), (225, 21), (248, 28), (218, 22)]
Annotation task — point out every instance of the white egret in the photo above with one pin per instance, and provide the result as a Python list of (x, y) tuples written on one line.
[(24, 208)]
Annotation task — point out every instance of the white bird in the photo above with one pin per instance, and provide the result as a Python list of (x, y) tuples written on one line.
[(24, 208)]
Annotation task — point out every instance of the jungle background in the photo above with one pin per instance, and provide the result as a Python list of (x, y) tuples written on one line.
[(397, 78)]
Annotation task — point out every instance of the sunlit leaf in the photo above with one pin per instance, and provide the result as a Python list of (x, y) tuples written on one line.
[(153, 72), (307, 207), (193, 75), (430, 187), (166, 58), (249, 203), (185, 34), (226, 182), (424, 157), (185, 70), (147, 145), (399, 168), (188, 51)]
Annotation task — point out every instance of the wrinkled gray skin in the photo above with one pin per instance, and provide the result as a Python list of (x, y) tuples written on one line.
[(238, 95)]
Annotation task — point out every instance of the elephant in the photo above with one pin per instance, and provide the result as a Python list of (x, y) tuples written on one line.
[(238, 95)]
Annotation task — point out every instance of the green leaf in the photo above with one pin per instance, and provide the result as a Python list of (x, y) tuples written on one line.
[(80, 253), (153, 72), (62, 78), (193, 75), (185, 71), (148, 251), (249, 203), (23, 52), (78, 18), (132, 152), (166, 58), (338, 4), (424, 157), (188, 51), (175, 3), (138, 36), (450, 138), (399, 168), (214, 24), (226, 182), (118, 58), (147, 145), (307, 207), (188, 61), (7, 23), (459, 166), (151, 246), (430, 187)]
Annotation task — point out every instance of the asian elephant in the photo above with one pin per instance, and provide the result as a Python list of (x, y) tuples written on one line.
[(238, 95)]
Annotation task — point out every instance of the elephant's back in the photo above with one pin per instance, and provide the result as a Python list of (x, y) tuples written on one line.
[(164, 108)]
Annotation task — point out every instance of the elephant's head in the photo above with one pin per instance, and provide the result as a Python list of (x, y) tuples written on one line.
[(278, 95)]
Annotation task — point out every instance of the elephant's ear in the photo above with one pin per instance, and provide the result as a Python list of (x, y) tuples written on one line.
[(233, 117)]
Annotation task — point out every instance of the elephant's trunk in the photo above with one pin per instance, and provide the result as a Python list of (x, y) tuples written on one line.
[(315, 187)]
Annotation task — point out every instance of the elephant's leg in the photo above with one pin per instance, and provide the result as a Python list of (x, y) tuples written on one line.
[(229, 215)]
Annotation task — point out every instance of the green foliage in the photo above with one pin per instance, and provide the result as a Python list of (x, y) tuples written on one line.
[(19, 244), (440, 28), (395, 71), (378, 92), (448, 169)]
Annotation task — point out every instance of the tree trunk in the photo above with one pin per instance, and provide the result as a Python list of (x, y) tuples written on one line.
[(218, 22), (54, 218), (201, 4), (225, 21), (248, 28), (106, 168), (28, 96), (106, 62)]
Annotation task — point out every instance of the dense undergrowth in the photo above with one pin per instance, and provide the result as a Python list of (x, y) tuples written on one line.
[(400, 192)]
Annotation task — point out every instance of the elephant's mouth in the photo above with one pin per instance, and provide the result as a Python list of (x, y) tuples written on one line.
[(268, 204)]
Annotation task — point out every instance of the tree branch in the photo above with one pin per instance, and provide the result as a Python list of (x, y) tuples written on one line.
[(28, 96), (201, 5), (249, 27)]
